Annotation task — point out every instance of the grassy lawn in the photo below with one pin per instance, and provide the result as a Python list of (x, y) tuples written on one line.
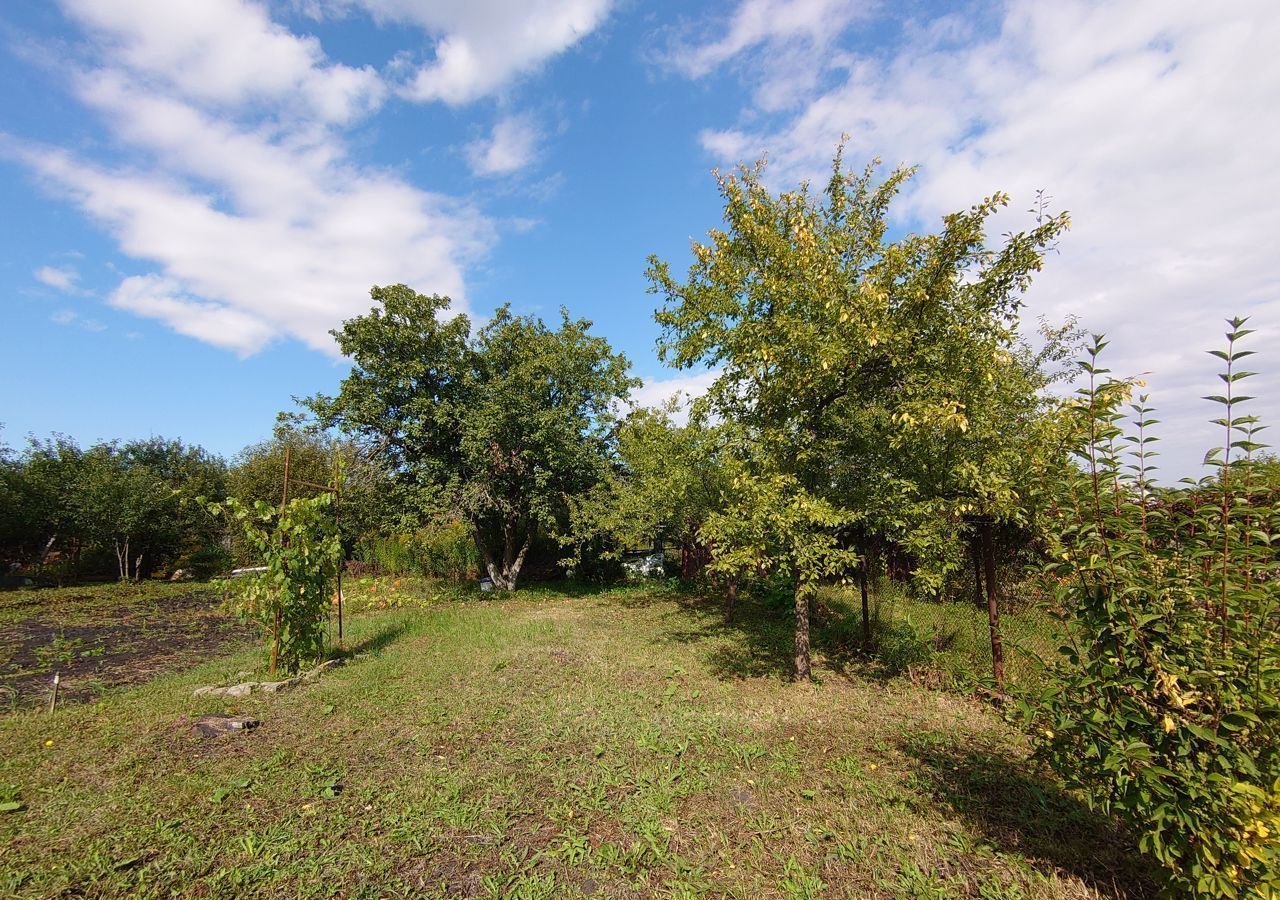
[(613, 744)]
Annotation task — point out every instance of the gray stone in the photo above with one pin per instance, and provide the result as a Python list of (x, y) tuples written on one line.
[(218, 726), (267, 687), (235, 690), (323, 667)]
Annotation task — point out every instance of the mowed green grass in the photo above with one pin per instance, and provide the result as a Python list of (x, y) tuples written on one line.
[(616, 744)]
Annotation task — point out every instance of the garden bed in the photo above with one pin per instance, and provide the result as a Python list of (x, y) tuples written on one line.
[(105, 636)]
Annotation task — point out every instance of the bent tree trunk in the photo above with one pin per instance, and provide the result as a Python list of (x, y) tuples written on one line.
[(803, 592), (504, 570)]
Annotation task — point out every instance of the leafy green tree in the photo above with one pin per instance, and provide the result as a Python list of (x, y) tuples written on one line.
[(873, 381), (772, 525), (36, 488), (498, 429), (667, 480), (120, 506), (133, 501), (257, 471), (179, 531)]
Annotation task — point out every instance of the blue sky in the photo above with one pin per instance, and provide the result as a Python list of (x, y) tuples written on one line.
[(195, 193)]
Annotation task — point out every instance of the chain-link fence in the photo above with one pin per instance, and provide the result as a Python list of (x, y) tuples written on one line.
[(954, 636)]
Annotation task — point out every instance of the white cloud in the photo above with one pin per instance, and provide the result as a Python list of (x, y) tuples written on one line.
[(797, 37), (226, 52), (297, 268), (480, 46), (219, 324), (71, 317), (657, 391), (63, 278), (258, 224), (755, 22), (512, 145), (1153, 122)]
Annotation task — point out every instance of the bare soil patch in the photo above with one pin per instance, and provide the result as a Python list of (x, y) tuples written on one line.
[(94, 644)]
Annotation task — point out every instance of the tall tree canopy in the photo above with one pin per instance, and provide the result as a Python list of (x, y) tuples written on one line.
[(500, 428), (876, 385), (667, 479)]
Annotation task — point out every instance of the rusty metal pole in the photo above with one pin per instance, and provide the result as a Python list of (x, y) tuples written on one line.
[(337, 523), (275, 622), (993, 608)]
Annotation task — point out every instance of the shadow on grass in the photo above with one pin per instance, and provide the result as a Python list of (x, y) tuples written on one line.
[(632, 593), (757, 638), (375, 643), (752, 640), (1014, 810)]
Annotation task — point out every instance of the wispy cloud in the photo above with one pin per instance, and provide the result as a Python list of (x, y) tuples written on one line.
[(657, 391), (63, 278), (71, 317), (1153, 122), (796, 37), (510, 147)]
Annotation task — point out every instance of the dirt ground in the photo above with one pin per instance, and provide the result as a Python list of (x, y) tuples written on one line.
[(105, 636)]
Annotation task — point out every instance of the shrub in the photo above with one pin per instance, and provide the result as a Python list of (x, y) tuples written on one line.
[(206, 562), (299, 547), (1162, 708)]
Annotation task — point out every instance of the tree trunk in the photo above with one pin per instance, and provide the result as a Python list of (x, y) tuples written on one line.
[(513, 571), (486, 557), (505, 575), (866, 606), (993, 608), (44, 554), (275, 641), (803, 672), (975, 546), (731, 598)]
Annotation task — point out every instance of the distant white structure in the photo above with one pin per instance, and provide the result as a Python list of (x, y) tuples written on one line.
[(651, 565)]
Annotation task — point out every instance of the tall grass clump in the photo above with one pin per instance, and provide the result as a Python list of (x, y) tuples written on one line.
[(445, 550), (1163, 704)]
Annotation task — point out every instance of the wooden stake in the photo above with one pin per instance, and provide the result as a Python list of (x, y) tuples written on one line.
[(53, 698), (284, 496)]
